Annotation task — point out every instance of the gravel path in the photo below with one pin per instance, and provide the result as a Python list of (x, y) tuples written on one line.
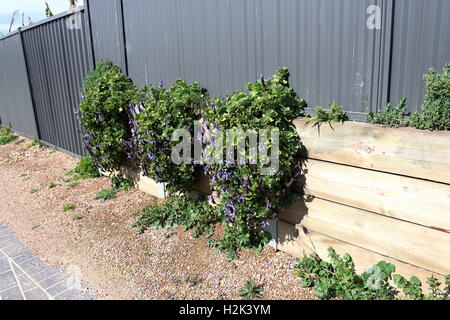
[(97, 240)]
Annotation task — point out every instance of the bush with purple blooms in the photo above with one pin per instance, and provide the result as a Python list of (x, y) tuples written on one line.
[(248, 198), (103, 114), (153, 120)]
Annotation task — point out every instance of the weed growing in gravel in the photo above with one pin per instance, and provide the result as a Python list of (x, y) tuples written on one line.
[(78, 217), (338, 279), (251, 291), (105, 195), (73, 185), (52, 185), (68, 207), (33, 191), (36, 226), (6, 135), (178, 210), (85, 169), (33, 143), (120, 182)]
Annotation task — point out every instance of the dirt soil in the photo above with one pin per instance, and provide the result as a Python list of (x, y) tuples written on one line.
[(97, 237)]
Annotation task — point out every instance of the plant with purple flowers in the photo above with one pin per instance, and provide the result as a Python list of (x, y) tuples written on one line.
[(102, 114), (249, 198), (154, 118)]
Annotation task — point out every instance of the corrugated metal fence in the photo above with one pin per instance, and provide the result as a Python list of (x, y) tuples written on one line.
[(327, 45), (56, 57)]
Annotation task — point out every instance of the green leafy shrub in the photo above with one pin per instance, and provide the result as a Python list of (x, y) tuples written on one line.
[(393, 117), (194, 214), (249, 198), (335, 114), (120, 182), (105, 195), (435, 113), (412, 289), (338, 279), (251, 291), (6, 135), (85, 169), (154, 120), (103, 114)]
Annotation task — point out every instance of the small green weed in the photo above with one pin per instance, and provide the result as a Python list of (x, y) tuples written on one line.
[(68, 207), (6, 135), (52, 185), (73, 185), (105, 195), (33, 191), (33, 143), (85, 169), (251, 291)]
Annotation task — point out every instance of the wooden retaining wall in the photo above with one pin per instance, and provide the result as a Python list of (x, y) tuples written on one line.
[(376, 193)]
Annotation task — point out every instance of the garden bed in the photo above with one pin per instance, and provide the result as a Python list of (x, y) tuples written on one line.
[(375, 192)]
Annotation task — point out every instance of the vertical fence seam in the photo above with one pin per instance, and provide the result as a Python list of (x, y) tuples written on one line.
[(29, 88)]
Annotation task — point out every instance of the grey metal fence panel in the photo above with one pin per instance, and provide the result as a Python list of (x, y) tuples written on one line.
[(107, 37), (16, 108), (326, 44), (421, 40), (59, 59)]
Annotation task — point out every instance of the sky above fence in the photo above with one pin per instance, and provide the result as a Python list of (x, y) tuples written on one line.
[(35, 9)]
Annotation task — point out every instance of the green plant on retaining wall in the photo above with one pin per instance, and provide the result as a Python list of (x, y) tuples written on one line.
[(103, 114), (249, 199), (334, 114), (393, 117), (338, 279), (154, 119), (435, 111)]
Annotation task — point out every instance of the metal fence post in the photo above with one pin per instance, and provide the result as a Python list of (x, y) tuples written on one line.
[(122, 35), (29, 88), (90, 38)]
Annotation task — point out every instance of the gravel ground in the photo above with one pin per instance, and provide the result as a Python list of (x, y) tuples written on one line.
[(97, 237)]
